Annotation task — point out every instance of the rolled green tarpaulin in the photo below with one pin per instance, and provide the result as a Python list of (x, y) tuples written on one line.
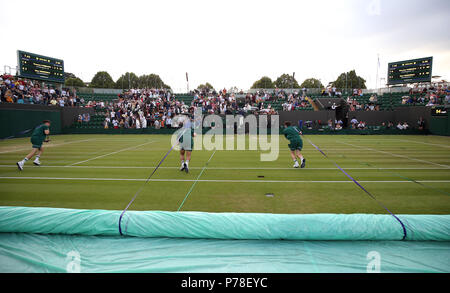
[(197, 225), (55, 253)]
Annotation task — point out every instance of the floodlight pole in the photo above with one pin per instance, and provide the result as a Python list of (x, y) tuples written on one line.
[(378, 66), (187, 82), (346, 86)]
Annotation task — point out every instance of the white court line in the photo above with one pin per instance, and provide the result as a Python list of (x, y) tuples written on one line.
[(395, 155), (48, 145), (231, 168), (224, 180), (195, 182), (426, 143), (303, 150), (112, 153)]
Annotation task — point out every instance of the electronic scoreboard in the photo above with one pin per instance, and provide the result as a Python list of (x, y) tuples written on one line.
[(34, 66), (410, 71), (439, 111)]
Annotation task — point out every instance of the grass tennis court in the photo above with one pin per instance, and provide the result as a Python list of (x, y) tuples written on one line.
[(105, 171)]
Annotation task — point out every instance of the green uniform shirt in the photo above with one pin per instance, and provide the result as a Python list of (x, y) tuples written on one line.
[(295, 141), (292, 133), (38, 136)]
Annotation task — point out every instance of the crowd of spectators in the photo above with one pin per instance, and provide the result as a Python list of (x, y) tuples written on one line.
[(84, 118), (429, 99), (24, 91), (401, 125), (142, 108), (222, 102), (431, 95), (295, 102), (372, 105)]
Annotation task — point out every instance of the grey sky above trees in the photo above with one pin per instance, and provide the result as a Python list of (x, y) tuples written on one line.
[(246, 39)]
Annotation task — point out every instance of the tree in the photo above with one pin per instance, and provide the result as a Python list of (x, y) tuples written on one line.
[(286, 81), (206, 86), (263, 83), (102, 79), (152, 81), (71, 81), (127, 81), (312, 83), (349, 80), (69, 75)]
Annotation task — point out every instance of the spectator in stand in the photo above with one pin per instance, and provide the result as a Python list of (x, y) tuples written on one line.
[(400, 126), (354, 122), (433, 100), (137, 122), (362, 125), (330, 123), (86, 117), (24, 91), (421, 123)]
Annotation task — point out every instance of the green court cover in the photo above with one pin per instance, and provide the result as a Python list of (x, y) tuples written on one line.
[(69, 240)]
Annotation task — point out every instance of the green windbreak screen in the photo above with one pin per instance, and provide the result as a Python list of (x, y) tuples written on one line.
[(66, 240), (14, 121)]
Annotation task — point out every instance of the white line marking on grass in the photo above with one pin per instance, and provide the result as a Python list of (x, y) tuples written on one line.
[(231, 168), (426, 143), (112, 153), (395, 155), (287, 150), (48, 145), (224, 180), (195, 182)]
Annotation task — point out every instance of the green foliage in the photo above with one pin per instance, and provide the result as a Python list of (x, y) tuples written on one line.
[(131, 80), (349, 80), (263, 83), (152, 81), (312, 83), (286, 81), (102, 79), (69, 75), (207, 86), (127, 81), (74, 81)]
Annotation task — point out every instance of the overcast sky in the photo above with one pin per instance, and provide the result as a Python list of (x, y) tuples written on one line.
[(228, 43)]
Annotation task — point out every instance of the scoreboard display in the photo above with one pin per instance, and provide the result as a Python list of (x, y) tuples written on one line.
[(410, 71), (34, 66), (439, 111)]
